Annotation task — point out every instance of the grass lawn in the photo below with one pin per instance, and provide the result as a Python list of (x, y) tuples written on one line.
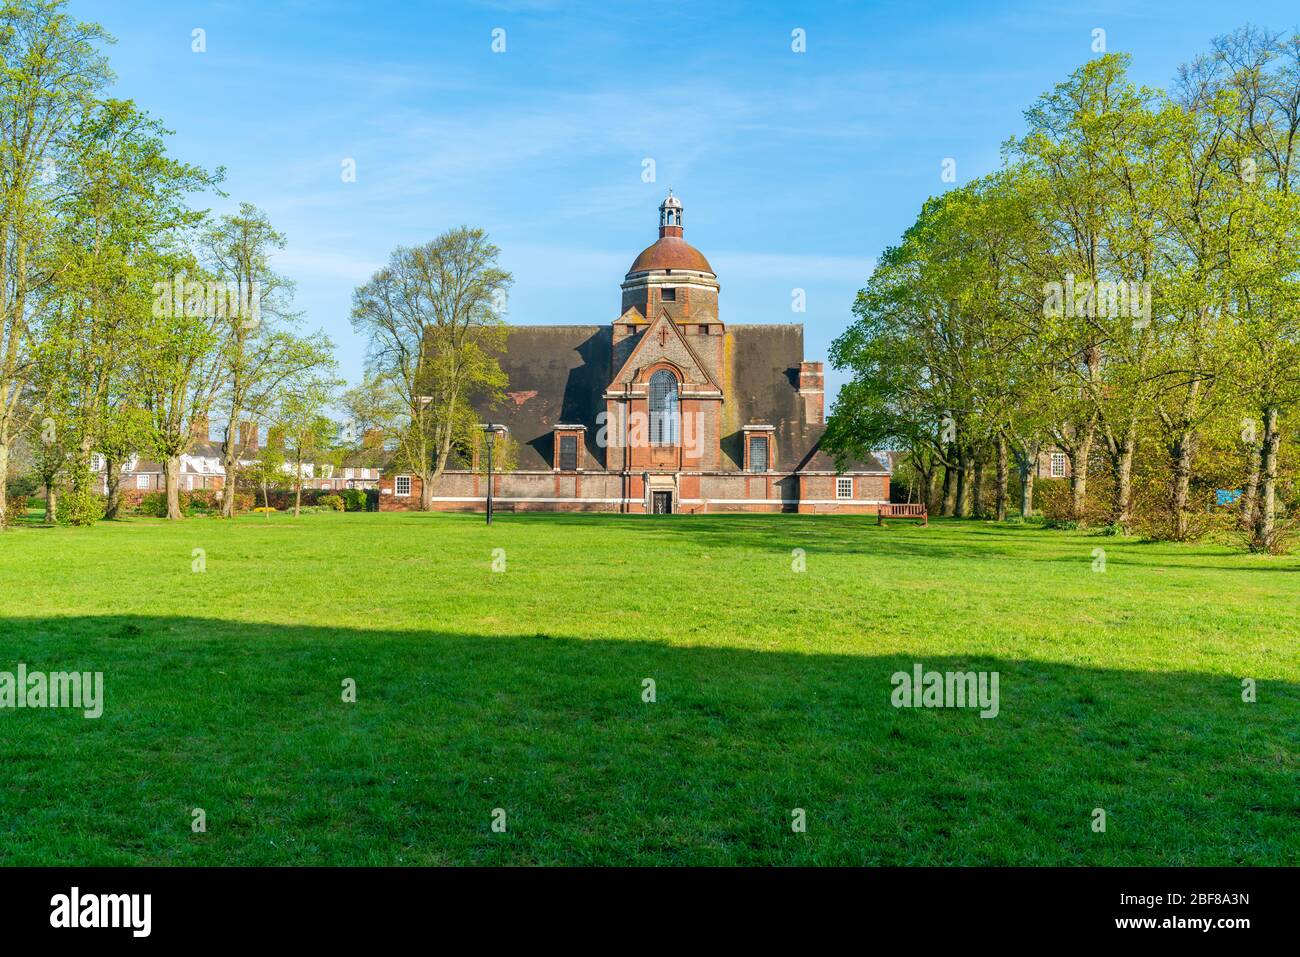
[(522, 690)]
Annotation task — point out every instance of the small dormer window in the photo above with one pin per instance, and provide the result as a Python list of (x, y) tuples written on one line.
[(758, 453), (668, 295)]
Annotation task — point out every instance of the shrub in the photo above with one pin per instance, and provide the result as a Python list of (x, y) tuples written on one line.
[(201, 502), (79, 508), (1065, 524), (25, 485), (153, 504), (354, 500), (285, 498), (15, 509), (334, 502), (265, 510)]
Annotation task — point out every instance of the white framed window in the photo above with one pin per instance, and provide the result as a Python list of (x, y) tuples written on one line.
[(844, 487), (402, 485), (189, 483), (1058, 465), (142, 481), (664, 420)]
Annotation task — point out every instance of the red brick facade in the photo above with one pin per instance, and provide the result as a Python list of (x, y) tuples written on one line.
[(691, 492), (666, 409)]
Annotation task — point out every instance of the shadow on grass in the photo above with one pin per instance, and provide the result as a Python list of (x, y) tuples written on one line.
[(247, 722)]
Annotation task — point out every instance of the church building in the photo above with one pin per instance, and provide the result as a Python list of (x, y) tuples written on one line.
[(666, 409)]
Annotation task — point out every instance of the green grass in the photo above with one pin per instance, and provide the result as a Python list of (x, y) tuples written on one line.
[(522, 690)]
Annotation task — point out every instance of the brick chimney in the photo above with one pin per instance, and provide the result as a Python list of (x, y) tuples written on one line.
[(812, 390), (200, 428)]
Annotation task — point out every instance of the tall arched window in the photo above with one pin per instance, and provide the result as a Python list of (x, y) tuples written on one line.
[(664, 427)]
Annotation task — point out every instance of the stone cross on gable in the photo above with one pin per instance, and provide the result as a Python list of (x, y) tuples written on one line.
[(663, 335)]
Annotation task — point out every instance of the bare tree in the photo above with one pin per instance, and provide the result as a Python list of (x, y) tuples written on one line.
[(432, 322)]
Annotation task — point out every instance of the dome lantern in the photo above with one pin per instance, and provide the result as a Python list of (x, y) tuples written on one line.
[(670, 216)]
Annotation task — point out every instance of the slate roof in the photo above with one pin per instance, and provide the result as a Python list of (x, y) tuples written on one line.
[(558, 375)]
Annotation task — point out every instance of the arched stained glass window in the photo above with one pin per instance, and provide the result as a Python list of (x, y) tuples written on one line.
[(664, 417)]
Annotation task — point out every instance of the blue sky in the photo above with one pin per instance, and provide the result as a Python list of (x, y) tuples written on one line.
[(796, 169)]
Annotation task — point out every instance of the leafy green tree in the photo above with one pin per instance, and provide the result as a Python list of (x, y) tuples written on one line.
[(51, 71), (123, 208), (308, 433), (261, 352), (1252, 78), (265, 472), (178, 369)]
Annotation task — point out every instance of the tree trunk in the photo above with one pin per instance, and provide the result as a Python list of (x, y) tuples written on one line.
[(171, 480), (1181, 461), (112, 488), (1250, 494), (297, 502), (229, 462), (962, 506), (1025, 461), (945, 494), (51, 504), (1265, 537), (1079, 455), (1122, 460), (1000, 502), (924, 482), (426, 492), (266, 497), (977, 488), (5, 517)]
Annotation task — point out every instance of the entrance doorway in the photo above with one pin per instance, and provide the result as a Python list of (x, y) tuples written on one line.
[(663, 502)]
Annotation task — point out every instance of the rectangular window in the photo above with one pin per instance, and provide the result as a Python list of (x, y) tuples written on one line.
[(704, 330), (668, 295), (142, 481), (758, 453), (402, 485), (568, 453), (844, 487), (1058, 465)]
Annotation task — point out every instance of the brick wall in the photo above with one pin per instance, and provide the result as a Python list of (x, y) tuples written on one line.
[(605, 492)]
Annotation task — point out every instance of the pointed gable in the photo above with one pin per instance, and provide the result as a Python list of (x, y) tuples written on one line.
[(663, 341)]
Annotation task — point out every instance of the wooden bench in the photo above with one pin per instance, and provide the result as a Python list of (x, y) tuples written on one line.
[(903, 510)]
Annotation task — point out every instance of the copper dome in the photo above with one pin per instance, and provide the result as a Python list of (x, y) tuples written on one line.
[(670, 252)]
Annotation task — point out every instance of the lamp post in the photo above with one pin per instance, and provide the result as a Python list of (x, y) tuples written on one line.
[(490, 432)]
